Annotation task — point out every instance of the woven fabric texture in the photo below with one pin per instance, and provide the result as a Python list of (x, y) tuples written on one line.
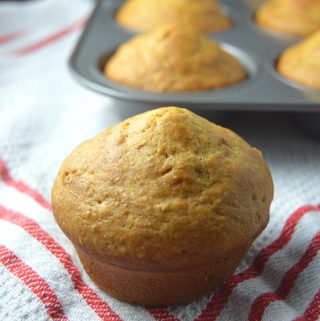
[(44, 114)]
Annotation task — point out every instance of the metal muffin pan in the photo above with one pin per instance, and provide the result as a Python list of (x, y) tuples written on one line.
[(257, 49)]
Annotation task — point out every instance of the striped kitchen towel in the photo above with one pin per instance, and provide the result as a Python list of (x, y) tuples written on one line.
[(44, 114), (41, 277)]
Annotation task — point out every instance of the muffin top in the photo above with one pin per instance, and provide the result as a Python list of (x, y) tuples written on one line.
[(163, 189), (301, 62), (295, 17), (173, 58), (143, 15)]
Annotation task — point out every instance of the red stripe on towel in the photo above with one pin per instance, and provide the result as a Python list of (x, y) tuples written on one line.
[(51, 38), (34, 282), (4, 39), (162, 315), (264, 300), (22, 187), (101, 308), (312, 312), (221, 296)]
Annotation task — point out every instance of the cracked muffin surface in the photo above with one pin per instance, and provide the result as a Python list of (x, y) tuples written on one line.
[(173, 58), (164, 189), (143, 15), (294, 17)]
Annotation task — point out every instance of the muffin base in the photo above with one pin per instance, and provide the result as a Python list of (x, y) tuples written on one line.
[(156, 288)]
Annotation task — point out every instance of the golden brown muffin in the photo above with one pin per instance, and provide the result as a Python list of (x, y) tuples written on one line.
[(172, 59), (294, 17), (142, 15), (162, 207), (301, 62)]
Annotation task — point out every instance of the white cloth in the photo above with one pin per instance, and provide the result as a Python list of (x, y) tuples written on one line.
[(44, 114)]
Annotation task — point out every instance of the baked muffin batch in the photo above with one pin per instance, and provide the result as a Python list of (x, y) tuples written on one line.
[(162, 207), (174, 55)]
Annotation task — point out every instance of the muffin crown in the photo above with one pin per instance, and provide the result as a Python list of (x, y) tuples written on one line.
[(166, 188), (301, 62), (144, 15), (173, 58), (296, 17), (310, 6)]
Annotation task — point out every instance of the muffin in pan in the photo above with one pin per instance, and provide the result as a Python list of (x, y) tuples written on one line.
[(173, 58), (143, 15), (293, 17), (162, 207), (301, 62)]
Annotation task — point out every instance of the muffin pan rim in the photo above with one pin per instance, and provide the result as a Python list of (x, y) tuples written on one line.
[(232, 97)]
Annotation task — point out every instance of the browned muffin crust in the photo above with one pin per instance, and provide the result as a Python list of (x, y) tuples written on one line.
[(173, 58), (163, 190), (143, 15), (162, 207), (294, 17), (301, 62)]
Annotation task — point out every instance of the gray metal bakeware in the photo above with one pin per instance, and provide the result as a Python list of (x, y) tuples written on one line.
[(256, 48)]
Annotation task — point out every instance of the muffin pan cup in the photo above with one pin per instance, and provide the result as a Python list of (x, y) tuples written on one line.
[(257, 49)]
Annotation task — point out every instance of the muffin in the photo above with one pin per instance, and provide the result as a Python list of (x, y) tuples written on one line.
[(294, 17), (162, 207), (301, 62), (173, 58), (143, 15)]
